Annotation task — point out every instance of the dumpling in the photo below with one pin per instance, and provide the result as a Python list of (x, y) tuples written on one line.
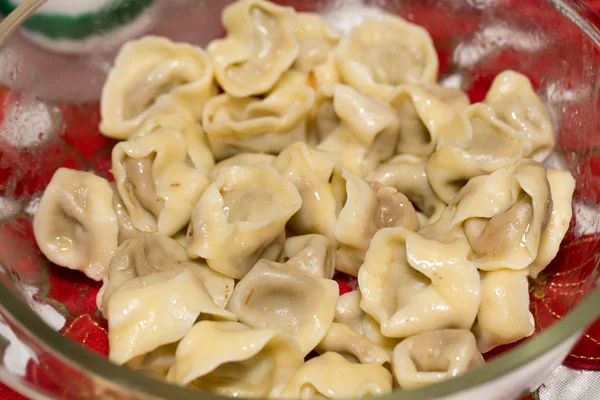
[(148, 312), (504, 315), (367, 132), (349, 313), (154, 182), (434, 356), (126, 228), (75, 225), (313, 254), (407, 174), (332, 376), (411, 284), (562, 186), (241, 159), (260, 46), (230, 359), (156, 363), (323, 119), (366, 208), (150, 253), (273, 295), (423, 111), (310, 171), (148, 73), (369, 59), (505, 214), (513, 99), (476, 143), (241, 218), (354, 347), (198, 151), (252, 124), (316, 39), (324, 74)]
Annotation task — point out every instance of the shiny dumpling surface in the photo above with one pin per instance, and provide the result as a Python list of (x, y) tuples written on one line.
[(148, 73), (368, 58), (148, 312), (313, 254), (316, 39), (332, 376), (353, 346), (269, 124), (434, 356), (231, 359), (259, 47), (75, 225), (241, 218), (155, 184), (411, 284), (279, 296)]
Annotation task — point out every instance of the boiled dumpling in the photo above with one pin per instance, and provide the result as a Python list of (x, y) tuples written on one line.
[(260, 46), (384, 53), (353, 346), (269, 124), (434, 356), (148, 73), (332, 376), (241, 218), (411, 284), (241, 159), (75, 225), (148, 312), (317, 40), (231, 359), (154, 182), (276, 296), (313, 254)]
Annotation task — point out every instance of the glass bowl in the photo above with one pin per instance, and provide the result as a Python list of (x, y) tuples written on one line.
[(49, 119)]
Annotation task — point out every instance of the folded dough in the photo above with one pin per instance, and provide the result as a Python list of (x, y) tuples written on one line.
[(313, 254), (75, 225), (241, 218), (273, 295), (354, 347), (260, 46), (148, 73), (241, 159), (231, 359), (434, 356), (316, 39)]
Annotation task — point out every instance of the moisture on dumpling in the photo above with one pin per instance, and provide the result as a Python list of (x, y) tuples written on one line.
[(313, 254), (149, 73), (259, 47), (75, 225)]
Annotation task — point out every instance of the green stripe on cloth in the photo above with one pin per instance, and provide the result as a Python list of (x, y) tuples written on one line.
[(58, 26)]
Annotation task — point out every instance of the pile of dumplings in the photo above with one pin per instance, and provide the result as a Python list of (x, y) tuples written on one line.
[(232, 209)]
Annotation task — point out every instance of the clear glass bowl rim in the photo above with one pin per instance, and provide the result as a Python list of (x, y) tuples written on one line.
[(121, 377)]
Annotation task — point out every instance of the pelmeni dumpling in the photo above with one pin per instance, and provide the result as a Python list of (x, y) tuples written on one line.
[(513, 99), (407, 174), (411, 284), (241, 159), (384, 53), (349, 313), (241, 218), (273, 295), (331, 376), (367, 132), (434, 356), (260, 46), (562, 185), (269, 125), (231, 359), (505, 214), (310, 171), (323, 119), (148, 312), (154, 182), (476, 143), (324, 74), (366, 208), (126, 228), (353, 346), (155, 363), (75, 225), (422, 111), (317, 40), (169, 116), (504, 315), (313, 254), (148, 73)]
